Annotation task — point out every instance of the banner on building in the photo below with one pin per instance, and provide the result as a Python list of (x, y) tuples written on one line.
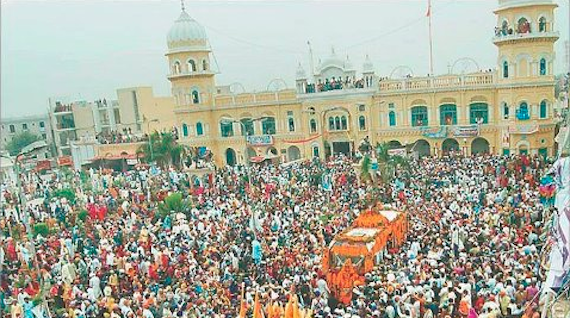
[(438, 132), (43, 165), (523, 129), (132, 162), (398, 152), (263, 140), (505, 138), (465, 131)]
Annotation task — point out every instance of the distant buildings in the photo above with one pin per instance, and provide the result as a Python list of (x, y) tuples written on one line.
[(38, 125)]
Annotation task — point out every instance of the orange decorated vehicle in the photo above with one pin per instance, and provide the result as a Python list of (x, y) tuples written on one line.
[(356, 250)]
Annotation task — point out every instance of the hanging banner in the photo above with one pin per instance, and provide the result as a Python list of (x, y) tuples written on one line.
[(465, 131), (398, 152), (132, 162), (302, 141), (505, 138), (434, 132), (523, 129), (65, 161), (263, 140)]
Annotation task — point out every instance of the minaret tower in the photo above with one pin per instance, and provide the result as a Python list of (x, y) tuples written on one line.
[(190, 72)]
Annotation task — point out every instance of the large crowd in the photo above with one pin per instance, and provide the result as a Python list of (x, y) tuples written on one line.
[(477, 226)]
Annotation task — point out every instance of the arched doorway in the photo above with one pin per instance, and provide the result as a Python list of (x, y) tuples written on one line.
[(449, 145), (230, 157), (479, 146), (293, 153), (394, 144), (328, 151), (422, 147)]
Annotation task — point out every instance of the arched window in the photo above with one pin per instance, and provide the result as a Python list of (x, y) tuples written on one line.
[(542, 66), (337, 123), (523, 26), (505, 111), (176, 68), (505, 27), (191, 66), (362, 122), (331, 123), (523, 112), (204, 65), (268, 126), (226, 128), (392, 118), (344, 123), (419, 116), (185, 130), (479, 113), (505, 69), (313, 125), (448, 114), (199, 129), (543, 109), (247, 127), (195, 97), (542, 24)]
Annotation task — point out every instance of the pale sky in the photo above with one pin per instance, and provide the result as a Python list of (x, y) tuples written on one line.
[(88, 49)]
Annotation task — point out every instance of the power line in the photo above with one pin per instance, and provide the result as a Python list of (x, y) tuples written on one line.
[(405, 26)]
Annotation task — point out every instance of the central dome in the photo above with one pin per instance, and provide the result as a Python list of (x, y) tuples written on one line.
[(186, 32)]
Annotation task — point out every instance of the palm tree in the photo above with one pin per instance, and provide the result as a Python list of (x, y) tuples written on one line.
[(387, 164), (165, 150)]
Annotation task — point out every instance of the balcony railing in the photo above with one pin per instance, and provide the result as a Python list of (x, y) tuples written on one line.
[(446, 81), (530, 35)]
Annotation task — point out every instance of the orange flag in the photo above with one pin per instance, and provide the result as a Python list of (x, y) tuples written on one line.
[(257, 313), (242, 309)]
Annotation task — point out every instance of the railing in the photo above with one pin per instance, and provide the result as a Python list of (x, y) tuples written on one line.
[(529, 35), (449, 81)]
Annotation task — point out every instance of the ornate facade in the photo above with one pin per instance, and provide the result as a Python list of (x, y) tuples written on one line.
[(505, 110)]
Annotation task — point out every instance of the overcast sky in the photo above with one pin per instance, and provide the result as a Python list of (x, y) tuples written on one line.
[(88, 49)]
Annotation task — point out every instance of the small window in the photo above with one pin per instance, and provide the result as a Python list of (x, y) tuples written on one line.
[(392, 118), (199, 129), (543, 109), (185, 130), (291, 123), (204, 65), (505, 69), (42, 124), (191, 66), (331, 123), (313, 125), (362, 122), (268, 126), (361, 107), (337, 125), (44, 136), (25, 126), (195, 97), (289, 113), (391, 105), (176, 68), (542, 24), (344, 123), (523, 111), (12, 128), (542, 67), (505, 111)]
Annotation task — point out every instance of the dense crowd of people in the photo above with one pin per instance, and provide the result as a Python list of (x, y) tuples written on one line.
[(477, 225)]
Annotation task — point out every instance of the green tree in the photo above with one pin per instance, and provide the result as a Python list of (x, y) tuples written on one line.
[(165, 150), (174, 203), (387, 164), (20, 141)]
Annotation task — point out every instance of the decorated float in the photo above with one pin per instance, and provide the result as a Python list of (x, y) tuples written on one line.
[(355, 251)]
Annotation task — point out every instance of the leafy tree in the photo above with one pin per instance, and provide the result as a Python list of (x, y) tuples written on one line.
[(20, 141), (165, 150), (67, 193), (387, 164), (174, 203)]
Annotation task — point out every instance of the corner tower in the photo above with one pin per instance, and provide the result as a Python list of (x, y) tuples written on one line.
[(525, 36), (190, 72)]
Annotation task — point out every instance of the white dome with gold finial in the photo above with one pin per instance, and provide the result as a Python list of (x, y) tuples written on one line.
[(187, 32)]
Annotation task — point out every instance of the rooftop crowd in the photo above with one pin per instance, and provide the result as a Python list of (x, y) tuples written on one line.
[(477, 227)]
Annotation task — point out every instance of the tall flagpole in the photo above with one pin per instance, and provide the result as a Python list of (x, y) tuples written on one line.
[(430, 40)]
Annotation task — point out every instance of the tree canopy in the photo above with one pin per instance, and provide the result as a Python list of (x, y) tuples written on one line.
[(20, 141), (165, 149)]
